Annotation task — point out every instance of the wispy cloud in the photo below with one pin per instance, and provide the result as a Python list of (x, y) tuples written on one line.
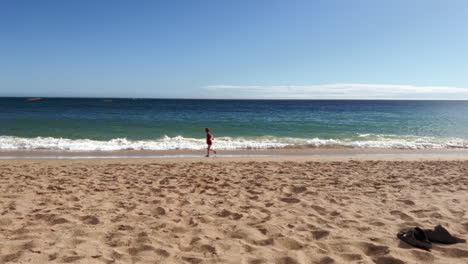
[(347, 91)]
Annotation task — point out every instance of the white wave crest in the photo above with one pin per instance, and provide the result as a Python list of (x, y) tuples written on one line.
[(11, 143), (164, 143)]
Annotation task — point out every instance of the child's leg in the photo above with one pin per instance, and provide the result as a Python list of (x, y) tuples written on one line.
[(209, 149)]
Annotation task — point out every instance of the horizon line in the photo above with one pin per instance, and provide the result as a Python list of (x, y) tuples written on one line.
[(234, 99)]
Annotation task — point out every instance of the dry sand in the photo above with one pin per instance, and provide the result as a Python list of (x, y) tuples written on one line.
[(231, 210)]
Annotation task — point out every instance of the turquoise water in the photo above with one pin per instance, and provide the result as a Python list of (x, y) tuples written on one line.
[(100, 124)]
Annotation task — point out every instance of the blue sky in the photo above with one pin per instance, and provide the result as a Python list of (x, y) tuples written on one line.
[(347, 49)]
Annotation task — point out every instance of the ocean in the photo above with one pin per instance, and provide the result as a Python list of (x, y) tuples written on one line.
[(99, 124)]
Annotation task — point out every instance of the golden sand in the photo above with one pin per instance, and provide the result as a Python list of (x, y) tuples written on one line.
[(282, 210)]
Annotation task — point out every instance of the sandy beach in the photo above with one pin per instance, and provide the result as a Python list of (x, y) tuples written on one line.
[(234, 132), (252, 210)]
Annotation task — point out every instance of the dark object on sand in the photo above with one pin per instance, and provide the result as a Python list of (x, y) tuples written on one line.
[(422, 238), (415, 237), (441, 235)]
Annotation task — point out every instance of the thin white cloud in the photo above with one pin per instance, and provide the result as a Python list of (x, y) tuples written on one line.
[(346, 91)]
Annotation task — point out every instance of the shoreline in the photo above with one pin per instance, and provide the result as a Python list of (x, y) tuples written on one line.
[(244, 153)]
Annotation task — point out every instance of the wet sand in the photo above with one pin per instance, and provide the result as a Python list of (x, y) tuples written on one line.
[(266, 209), (290, 151)]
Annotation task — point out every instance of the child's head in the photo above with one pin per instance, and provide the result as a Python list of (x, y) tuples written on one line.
[(207, 130)]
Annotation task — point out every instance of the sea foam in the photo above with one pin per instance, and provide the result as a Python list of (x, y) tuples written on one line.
[(11, 143)]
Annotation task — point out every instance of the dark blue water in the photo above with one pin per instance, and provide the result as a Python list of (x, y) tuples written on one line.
[(153, 121)]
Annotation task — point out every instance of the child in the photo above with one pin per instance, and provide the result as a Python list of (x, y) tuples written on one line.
[(209, 142)]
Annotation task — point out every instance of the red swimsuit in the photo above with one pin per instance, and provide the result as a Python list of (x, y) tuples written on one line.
[(209, 139)]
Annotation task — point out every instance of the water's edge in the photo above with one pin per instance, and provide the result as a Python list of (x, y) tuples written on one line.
[(312, 152)]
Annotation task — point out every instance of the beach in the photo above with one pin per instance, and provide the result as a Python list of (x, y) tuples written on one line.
[(234, 132), (264, 209)]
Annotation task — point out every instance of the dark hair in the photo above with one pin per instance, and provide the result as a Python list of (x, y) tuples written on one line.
[(207, 129)]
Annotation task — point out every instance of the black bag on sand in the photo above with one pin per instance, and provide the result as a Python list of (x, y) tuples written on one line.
[(422, 238), (441, 235), (415, 237)]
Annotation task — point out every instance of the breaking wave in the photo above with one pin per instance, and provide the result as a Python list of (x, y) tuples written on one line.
[(11, 143)]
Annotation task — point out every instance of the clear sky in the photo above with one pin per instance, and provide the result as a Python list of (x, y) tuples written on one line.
[(235, 49)]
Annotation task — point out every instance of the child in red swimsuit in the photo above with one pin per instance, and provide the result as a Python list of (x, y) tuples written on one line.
[(209, 142)]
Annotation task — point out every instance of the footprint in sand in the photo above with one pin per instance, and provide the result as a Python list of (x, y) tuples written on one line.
[(319, 234), (456, 213), (351, 257), (290, 200), (407, 202), (325, 260), (289, 243), (158, 211), (376, 223), (192, 260), (51, 219), (208, 249), (231, 215), (319, 209), (11, 257), (33, 245), (402, 215), (264, 242), (71, 257), (224, 213), (422, 256), (133, 251), (161, 252), (256, 261), (373, 250), (90, 220), (388, 260), (294, 189), (247, 233), (125, 228), (286, 260), (465, 225), (454, 252), (422, 213)]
